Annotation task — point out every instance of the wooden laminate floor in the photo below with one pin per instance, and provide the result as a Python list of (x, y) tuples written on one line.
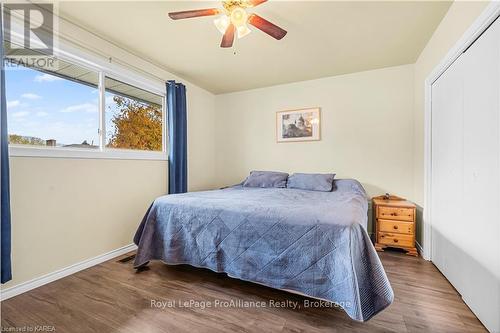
[(112, 297)]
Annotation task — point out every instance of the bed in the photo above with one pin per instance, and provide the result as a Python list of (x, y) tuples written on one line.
[(306, 242)]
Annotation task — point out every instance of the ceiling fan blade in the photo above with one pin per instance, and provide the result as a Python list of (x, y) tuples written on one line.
[(255, 3), (193, 13), (228, 38), (269, 28)]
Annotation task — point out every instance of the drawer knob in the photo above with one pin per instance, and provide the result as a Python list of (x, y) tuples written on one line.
[(395, 240), (393, 214), (395, 227)]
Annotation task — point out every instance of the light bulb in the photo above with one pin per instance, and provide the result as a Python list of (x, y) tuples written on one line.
[(222, 22), (243, 31), (239, 17)]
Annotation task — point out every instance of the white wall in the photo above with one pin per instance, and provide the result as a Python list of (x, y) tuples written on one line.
[(68, 210), (366, 130)]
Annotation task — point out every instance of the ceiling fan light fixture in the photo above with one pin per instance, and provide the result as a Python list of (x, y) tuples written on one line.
[(239, 17), (234, 20), (222, 22), (243, 31)]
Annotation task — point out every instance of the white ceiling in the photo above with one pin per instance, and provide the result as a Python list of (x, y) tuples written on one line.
[(325, 38)]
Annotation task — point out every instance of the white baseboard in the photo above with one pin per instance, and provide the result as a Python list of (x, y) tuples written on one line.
[(44, 279), (421, 251)]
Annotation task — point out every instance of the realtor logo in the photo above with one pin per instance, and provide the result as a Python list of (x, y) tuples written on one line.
[(29, 35), (37, 31)]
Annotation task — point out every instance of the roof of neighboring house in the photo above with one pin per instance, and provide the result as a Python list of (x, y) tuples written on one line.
[(84, 144)]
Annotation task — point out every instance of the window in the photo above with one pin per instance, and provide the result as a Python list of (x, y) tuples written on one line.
[(53, 108), (84, 109), (133, 117)]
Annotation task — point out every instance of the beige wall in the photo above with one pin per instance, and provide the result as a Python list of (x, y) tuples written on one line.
[(459, 18), (68, 210), (201, 139), (366, 124)]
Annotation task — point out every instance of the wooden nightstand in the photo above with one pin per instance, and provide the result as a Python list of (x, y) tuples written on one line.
[(394, 224)]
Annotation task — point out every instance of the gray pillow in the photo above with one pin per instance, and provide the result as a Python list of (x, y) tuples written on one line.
[(311, 181), (266, 179)]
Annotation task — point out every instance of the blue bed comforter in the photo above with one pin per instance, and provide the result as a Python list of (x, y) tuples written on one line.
[(313, 243)]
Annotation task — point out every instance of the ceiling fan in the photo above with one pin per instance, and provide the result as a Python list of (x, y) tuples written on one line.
[(234, 19)]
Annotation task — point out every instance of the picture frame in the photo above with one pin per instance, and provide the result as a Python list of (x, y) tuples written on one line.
[(298, 125)]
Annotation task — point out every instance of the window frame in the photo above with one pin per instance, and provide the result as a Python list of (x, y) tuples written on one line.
[(104, 68)]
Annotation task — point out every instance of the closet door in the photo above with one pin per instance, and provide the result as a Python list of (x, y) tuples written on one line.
[(447, 171), (465, 194), (481, 182)]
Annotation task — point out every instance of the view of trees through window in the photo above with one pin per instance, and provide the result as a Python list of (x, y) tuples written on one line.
[(136, 125), (133, 117)]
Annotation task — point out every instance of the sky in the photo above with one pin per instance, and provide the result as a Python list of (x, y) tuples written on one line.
[(48, 107)]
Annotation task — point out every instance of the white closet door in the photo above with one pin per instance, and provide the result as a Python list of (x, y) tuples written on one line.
[(481, 207), (447, 170), (466, 176)]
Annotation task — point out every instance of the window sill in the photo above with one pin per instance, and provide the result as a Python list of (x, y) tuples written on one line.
[(115, 154)]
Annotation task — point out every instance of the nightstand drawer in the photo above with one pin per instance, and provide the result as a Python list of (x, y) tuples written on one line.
[(395, 213), (395, 226), (389, 238)]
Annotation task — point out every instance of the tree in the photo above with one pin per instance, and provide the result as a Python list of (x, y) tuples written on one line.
[(137, 125), (25, 140)]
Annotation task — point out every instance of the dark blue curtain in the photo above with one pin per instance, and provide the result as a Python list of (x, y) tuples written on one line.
[(177, 130), (5, 193)]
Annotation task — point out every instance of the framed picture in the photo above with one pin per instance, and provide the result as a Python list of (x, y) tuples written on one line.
[(298, 125)]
